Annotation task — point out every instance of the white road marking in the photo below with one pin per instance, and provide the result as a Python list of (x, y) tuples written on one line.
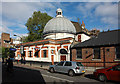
[(57, 78)]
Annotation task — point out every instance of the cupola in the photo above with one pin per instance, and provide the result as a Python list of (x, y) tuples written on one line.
[(59, 13)]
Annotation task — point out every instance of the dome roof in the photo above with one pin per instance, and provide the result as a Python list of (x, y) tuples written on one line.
[(59, 25)]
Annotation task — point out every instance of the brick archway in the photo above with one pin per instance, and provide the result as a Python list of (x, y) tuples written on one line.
[(63, 54)]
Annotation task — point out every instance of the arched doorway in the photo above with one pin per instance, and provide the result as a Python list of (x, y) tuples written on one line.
[(63, 54)]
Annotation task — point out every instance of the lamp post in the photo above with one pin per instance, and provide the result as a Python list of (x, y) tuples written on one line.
[(21, 50)]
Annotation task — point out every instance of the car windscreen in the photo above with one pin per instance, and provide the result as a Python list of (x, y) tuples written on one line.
[(60, 64), (79, 64)]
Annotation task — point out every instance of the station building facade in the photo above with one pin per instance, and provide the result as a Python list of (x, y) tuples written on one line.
[(59, 35)]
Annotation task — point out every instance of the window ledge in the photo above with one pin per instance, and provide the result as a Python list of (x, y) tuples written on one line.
[(79, 59), (116, 59), (44, 57), (36, 57), (97, 59)]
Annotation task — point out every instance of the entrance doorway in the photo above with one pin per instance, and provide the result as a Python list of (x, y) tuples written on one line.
[(63, 58), (63, 54)]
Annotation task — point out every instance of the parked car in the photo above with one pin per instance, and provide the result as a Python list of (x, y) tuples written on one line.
[(69, 67), (111, 73)]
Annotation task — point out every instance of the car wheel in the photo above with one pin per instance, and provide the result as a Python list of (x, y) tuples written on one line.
[(71, 73), (52, 70), (102, 77)]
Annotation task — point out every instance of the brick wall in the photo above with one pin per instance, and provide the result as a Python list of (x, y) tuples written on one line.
[(5, 36), (11, 40), (87, 57)]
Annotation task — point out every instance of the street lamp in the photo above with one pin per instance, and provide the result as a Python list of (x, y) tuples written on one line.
[(21, 47)]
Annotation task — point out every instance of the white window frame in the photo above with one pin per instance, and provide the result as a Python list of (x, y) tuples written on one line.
[(31, 54), (94, 55), (46, 54), (76, 55), (116, 56)]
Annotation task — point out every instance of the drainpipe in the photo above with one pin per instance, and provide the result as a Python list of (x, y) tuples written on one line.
[(104, 57)]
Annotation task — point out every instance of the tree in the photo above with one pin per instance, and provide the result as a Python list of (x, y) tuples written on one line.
[(35, 26), (5, 52)]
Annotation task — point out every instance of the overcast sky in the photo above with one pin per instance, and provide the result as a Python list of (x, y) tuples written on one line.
[(101, 15)]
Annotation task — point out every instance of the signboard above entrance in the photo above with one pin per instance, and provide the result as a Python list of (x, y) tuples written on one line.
[(12, 49)]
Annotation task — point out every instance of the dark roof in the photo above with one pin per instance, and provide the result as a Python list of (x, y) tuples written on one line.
[(37, 43), (46, 41), (103, 39)]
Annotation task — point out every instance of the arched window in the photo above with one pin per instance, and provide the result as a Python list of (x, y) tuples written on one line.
[(63, 51), (59, 13)]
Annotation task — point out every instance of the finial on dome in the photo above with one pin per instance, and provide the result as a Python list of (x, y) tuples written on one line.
[(59, 13)]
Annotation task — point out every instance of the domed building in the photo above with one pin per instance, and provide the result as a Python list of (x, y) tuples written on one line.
[(59, 35), (59, 27)]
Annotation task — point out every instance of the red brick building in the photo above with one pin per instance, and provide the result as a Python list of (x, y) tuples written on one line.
[(100, 51), (6, 41)]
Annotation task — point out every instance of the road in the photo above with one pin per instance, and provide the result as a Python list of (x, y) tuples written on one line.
[(59, 77), (21, 74)]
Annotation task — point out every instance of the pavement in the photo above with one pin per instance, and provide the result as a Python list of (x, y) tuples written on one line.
[(43, 67)]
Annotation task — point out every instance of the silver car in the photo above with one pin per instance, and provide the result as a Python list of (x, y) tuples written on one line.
[(69, 67)]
